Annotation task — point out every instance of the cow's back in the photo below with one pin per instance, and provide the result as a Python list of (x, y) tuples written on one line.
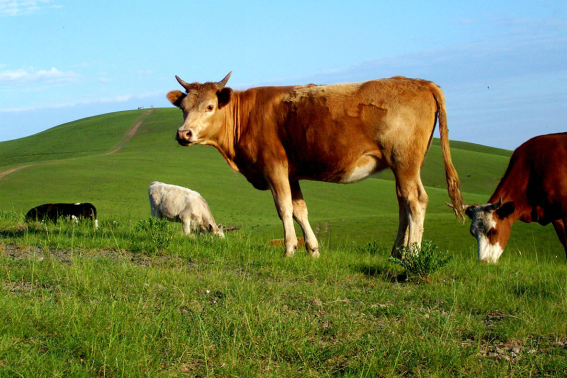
[(536, 178), (324, 129), (547, 159)]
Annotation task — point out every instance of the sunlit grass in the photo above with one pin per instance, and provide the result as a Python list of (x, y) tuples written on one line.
[(79, 302)]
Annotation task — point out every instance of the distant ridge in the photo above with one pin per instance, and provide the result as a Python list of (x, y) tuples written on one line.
[(127, 136)]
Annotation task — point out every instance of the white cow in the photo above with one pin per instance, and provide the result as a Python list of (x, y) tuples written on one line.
[(183, 205)]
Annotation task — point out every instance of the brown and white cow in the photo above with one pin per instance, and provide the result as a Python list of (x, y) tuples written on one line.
[(533, 189), (342, 133)]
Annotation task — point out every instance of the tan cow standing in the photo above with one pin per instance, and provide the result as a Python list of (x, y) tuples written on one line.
[(276, 136)]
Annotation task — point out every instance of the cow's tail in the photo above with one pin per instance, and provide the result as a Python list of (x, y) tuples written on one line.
[(451, 174), (95, 218)]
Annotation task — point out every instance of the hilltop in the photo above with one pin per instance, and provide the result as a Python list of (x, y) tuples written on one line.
[(111, 159)]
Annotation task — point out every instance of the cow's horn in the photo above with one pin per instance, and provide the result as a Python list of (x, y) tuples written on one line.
[(463, 206), (183, 84), (223, 82), (496, 205)]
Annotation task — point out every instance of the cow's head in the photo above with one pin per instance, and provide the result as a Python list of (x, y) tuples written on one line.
[(491, 227), (202, 107), (218, 230)]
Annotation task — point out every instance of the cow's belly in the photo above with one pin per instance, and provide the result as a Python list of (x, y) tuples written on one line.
[(360, 169), (345, 170), (171, 210), (170, 216)]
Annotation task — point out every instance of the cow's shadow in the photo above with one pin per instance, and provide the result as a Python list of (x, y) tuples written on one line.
[(381, 271), (41, 228), (13, 233)]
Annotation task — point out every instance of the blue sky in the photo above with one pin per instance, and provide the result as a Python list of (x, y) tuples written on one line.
[(502, 64)]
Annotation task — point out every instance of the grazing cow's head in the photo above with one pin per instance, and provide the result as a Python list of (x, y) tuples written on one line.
[(218, 231), (202, 106), (491, 228)]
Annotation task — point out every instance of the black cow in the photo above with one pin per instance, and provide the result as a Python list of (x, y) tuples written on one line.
[(53, 211)]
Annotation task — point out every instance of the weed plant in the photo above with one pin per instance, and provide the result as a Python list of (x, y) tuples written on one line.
[(421, 261)]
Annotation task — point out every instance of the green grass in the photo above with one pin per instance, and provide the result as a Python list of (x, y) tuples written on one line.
[(136, 298), (78, 302)]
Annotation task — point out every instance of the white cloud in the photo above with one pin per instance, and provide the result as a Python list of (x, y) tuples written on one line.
[(30, 75), (23, 7), (102, 100)]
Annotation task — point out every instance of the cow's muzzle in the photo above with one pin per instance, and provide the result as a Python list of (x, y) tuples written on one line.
[(183, 137)]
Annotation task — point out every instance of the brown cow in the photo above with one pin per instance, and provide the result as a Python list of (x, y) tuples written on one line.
[(276, 136), (533, 189)]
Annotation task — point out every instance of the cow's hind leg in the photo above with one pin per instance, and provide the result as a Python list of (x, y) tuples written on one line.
[(281, 191), (561, 230), (403, 225), (412, 200), (300, 216)]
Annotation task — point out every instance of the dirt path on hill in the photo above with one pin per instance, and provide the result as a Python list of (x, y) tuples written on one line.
[(129, 134), (2, 174)]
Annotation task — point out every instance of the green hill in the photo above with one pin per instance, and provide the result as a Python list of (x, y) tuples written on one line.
[(80, 162)]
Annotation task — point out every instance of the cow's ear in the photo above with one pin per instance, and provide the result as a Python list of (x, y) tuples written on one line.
[(224, 96), (175, 97), (469, 211), (506, 209)]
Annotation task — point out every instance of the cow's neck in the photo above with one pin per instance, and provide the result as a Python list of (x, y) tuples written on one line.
[(227, 138), (513, 188)]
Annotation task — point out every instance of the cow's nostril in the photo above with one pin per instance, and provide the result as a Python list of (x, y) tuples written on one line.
[(184, 135)]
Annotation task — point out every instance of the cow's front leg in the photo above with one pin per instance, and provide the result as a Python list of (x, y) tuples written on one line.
[(187, 227), (300, 216), (282, 197)]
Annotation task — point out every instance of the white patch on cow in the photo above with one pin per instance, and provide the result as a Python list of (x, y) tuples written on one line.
[(365, 166), (484, 222), (488, 252), (78, 203), (96, 223)]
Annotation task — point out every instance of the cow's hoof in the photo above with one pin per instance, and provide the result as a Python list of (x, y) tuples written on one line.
[(396, 253)]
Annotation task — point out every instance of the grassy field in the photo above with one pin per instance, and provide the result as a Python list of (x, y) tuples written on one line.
[(136, 298), (127, 301)]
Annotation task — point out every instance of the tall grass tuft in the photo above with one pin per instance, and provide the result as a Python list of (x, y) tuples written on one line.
[(154, 236), (421, 261), (11, 216)]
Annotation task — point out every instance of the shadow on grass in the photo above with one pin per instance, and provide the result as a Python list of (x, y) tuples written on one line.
[(383, 272), (41, 229), (14, 232)]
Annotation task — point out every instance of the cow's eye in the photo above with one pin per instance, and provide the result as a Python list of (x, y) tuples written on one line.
[(210, 108)]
